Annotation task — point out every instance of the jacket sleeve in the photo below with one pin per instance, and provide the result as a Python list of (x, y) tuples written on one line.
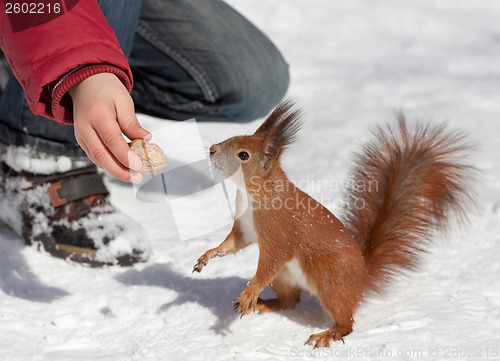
[(50, 57)]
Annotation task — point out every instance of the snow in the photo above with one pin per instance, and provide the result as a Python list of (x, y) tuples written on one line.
[(20, 158), (353, 63)]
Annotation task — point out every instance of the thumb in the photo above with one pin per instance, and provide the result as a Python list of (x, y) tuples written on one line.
[(130, 126)]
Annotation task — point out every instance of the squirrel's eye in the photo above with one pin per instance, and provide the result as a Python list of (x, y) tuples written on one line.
[(243, 155)]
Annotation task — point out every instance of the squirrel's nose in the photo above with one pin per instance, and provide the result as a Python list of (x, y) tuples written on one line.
[(212, 150)]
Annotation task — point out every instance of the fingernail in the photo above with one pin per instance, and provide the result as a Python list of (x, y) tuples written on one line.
[(134, 161), (146, 135), (135, 177)]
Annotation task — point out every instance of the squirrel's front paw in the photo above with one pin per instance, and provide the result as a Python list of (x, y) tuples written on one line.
[(246, 301), (203, 260)]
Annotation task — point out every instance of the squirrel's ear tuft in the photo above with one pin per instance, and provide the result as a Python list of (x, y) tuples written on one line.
[(279, 130), (284, 122)]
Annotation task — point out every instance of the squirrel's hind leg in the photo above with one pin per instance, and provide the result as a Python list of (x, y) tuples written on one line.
[(340, 301), (324, 339), (287, 295)]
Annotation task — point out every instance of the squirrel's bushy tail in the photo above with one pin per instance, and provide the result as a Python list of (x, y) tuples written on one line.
[(406, 184)]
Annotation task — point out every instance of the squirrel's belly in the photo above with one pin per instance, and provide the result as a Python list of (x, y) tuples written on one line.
[(296, 277), (247, 226)]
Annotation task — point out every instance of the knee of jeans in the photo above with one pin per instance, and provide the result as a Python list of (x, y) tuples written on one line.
[(259, 90)]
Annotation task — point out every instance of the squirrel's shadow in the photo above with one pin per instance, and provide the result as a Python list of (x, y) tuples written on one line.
[(213, 294), (216, 295)]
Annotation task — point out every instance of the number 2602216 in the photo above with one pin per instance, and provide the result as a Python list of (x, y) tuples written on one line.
[(32, 8)]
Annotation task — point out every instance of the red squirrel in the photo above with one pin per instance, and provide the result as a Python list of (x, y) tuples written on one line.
[(421, 180)]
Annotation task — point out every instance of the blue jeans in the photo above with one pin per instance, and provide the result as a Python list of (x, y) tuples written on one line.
[(190, 59)]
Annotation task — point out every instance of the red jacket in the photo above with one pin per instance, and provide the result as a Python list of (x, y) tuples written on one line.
[(49, 53)]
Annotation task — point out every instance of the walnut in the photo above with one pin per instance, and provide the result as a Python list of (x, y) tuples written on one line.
[(152, 157)]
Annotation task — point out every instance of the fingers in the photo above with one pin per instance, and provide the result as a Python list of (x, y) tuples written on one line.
[(103, 158), (110, 134), (111, 137), (103, 112)]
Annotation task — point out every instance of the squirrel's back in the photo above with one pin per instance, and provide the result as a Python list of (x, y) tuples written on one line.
[(405, 184)]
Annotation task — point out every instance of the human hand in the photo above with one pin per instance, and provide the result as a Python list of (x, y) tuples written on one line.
[(103, 110)]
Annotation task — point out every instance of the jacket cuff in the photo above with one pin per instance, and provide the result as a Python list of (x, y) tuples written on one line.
[(62, 105)]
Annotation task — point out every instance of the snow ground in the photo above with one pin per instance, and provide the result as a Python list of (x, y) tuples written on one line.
[(352, 64)]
